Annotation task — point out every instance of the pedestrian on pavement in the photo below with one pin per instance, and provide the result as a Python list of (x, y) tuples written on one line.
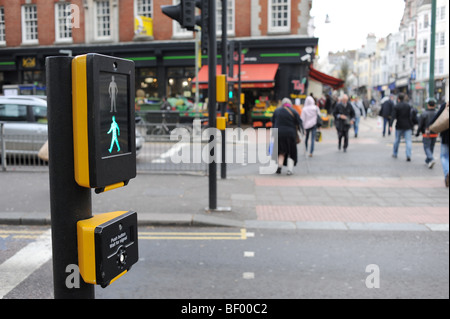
[(309, 116), (429, 137), (387, 107), (345, 117), (402, 113), (358, 107), (444, 145), (288, 123)]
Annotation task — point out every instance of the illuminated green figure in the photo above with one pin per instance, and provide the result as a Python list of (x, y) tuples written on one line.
[(115, 132)]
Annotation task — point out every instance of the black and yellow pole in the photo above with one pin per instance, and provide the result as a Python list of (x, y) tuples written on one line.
[(222, 97), (69, 202)]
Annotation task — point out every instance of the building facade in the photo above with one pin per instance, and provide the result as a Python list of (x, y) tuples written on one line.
[(271, 32), (400, 63)]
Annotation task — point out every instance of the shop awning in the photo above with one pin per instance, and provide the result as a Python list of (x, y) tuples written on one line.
[(325, 79), (252, 75)]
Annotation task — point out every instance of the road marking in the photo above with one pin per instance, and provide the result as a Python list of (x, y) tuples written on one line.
[(27, 260), (248, 275), (249, 254), (242, 235)]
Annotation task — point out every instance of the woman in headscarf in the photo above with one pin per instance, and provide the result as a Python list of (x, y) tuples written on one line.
[(309, 117), (288, 122)]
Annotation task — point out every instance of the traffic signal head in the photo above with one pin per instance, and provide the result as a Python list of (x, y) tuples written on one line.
[(103, 121), (183, 13), (203, 22)]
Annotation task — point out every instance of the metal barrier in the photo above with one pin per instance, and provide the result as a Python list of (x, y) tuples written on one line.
[(19, 152), (155, 150), (159, 153)]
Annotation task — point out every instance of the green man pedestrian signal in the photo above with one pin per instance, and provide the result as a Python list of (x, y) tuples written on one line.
[(103, 121)]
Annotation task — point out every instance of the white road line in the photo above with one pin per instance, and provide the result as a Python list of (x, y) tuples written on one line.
[(248, 275), (249, 254), (17, 268)]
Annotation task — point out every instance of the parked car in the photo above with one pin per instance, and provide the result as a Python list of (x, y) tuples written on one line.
[(25, 125)]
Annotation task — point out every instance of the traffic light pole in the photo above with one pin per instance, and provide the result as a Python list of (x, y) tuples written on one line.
[(223, 165), (69, 202), (212, 104)]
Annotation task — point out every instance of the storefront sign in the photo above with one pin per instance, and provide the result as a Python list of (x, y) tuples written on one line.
[(29, 62)]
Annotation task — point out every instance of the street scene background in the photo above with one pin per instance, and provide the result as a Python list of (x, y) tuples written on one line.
[(310, 235)]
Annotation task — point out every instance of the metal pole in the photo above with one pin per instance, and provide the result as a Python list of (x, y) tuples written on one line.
[(432, 49), (223, 165), (69, 202), (3, 146), (240, 85), (197, 67), (212, 107)]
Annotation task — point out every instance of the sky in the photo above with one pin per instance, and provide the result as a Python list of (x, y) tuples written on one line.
[(352, 21)]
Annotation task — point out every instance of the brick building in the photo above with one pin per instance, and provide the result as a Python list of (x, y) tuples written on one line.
[(272, 32)]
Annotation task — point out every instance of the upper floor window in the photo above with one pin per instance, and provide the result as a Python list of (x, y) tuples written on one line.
[(2, 26), (426, 21), (144, 8), (440, 13), (63, 27), (230, 17), (29, 24), (102, 20), (279, 15)]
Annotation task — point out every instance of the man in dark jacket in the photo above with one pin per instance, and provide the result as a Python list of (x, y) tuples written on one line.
[(429, 137), (444, 145), (402, 113), (345, 117), (386, 113)]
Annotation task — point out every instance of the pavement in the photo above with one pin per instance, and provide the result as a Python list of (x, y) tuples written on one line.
[(364, 189)]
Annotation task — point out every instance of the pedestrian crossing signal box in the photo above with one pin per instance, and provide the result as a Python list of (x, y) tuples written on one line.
[(103, 121), (107, 247)]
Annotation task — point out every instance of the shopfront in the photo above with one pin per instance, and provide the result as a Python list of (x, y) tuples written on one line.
[(272, 67)]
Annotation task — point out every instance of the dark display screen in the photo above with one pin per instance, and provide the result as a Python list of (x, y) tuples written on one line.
[(114, 114)]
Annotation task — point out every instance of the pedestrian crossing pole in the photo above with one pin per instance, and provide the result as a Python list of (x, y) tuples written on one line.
[(69, 202)]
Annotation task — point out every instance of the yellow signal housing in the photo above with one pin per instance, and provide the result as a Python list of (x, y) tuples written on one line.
[(221, 123), (221, 87), (80, 124), (107, 246)]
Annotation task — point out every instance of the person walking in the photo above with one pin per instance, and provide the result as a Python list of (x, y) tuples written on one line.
[(358, 107), (387, 107), (444, 145), (288, 123), (429, 137), (309, 116), (402, 114), (345, 117)]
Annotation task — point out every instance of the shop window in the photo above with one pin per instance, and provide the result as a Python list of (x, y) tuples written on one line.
[(179, 82), (147, 81)]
